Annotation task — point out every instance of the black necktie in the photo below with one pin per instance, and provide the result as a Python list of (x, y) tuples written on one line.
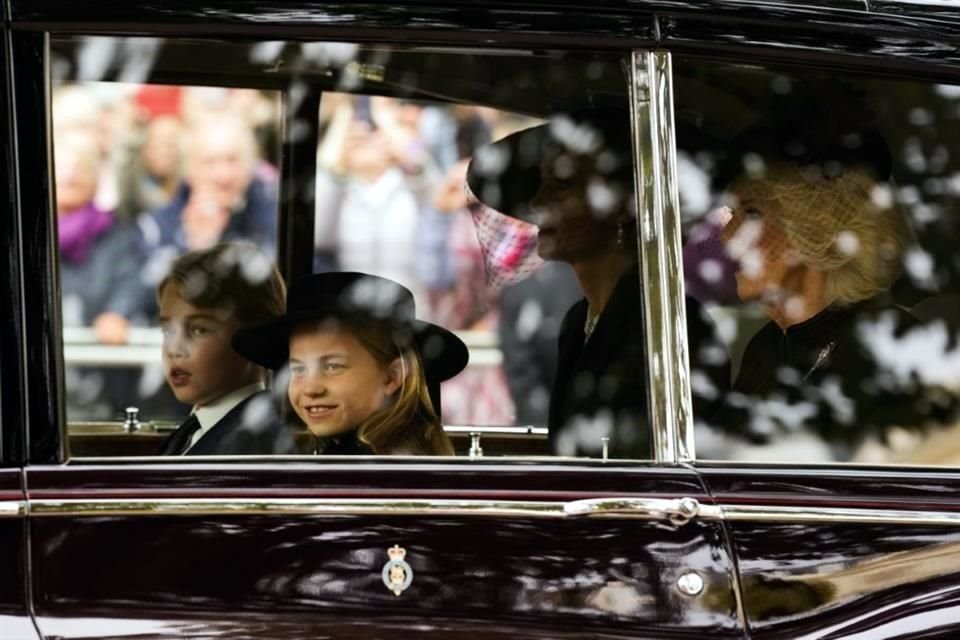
[(179, 441)]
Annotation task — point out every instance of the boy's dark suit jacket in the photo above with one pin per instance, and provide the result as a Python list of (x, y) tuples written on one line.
[(243, 431), (600, 387)]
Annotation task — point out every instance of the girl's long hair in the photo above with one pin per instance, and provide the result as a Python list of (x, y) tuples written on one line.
[(409, 424)]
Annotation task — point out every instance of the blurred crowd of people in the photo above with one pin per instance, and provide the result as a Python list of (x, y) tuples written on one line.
[(145, 173)]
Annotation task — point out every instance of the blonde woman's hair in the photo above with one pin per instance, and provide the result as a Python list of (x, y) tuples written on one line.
[(409, 424), (836, 224)]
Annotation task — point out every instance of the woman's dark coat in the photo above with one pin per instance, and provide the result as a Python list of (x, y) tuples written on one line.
[(600, 388), (826, 376)]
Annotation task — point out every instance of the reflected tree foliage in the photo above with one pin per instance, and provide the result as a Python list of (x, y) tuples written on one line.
[(843, 371)]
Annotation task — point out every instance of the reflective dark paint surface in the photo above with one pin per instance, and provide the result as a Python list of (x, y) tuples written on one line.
[(881, 581), (15, 621), (593, 574), (40, 303), (935, 12), (348, 21), (522, 576), (913, 489), (878, 580), (318, 12), (820, 27), (12, 391), (882, 44), (382, 476)]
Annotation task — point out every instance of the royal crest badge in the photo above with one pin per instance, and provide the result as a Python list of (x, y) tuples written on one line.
[(397, 574)]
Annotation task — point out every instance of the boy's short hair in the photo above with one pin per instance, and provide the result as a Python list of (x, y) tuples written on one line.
[(236, 277)]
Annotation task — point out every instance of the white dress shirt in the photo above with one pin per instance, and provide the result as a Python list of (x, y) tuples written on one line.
[(210, 414)]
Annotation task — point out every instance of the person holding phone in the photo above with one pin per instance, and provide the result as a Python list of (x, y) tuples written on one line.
[(374, 178)]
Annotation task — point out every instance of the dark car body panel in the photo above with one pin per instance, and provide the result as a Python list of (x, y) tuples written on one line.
[(598, 576), (12, 379), (855, 578), (16, 622), (40, 341)]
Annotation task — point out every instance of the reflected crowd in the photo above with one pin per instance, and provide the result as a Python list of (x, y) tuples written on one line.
[(147, 173)]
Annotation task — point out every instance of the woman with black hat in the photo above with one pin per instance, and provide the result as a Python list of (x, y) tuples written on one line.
[(573, 179), (821, 253), (364, 373)]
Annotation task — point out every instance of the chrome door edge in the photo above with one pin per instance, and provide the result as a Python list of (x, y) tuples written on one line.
[(677, 511), (837, 515), (661, 257), (293, 506), (12, 508)]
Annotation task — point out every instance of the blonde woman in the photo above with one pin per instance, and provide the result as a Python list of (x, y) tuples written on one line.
[(818, 251), (363, 371), (806, 241)]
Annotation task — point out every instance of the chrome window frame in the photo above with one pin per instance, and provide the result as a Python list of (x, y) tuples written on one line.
[(661, 259)]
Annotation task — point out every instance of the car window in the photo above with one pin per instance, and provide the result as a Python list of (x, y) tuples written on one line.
[(820, 222), (485, 199)]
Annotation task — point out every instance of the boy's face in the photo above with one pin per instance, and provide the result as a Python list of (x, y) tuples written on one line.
[(199, 363)]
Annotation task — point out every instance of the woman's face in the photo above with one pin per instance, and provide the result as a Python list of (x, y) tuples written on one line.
[(76, 171), (335, 383), (161, 150), (757, 242), (575, 209)]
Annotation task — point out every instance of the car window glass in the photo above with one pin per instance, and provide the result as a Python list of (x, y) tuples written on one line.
[(820, 217), (143, 173), (467, 184)]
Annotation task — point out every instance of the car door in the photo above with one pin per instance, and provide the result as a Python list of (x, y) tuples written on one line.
[(15, 619), (307, 556), (363, 546), (843, 527)]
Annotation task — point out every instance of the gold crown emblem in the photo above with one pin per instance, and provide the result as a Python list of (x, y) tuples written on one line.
[(397, 553)]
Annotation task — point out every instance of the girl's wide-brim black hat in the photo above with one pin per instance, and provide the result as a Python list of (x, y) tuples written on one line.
[(346, 295)]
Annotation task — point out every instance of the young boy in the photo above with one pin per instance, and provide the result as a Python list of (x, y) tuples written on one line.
[(206, 297)]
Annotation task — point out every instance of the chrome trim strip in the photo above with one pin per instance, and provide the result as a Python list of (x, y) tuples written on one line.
[(154, 429), (295, 506), (536, 433), (621, 508), (678, 511), (837, 515), (661, 261), (13, 508)]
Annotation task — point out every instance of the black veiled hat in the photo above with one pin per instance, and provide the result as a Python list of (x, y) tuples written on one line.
[(823, 122), (505, 175), (347, 295)]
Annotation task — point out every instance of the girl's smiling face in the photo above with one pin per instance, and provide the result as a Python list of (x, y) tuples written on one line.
[(335, 383)]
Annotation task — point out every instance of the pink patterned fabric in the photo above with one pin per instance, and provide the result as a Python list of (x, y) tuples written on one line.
[(509, 246)]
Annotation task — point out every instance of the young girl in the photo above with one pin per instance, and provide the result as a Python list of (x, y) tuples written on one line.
[(364, 372)]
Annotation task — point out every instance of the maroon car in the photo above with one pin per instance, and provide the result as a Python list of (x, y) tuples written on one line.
[(723, 402)]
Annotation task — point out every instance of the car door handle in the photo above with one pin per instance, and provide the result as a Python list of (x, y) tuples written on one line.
[(679, 511)]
